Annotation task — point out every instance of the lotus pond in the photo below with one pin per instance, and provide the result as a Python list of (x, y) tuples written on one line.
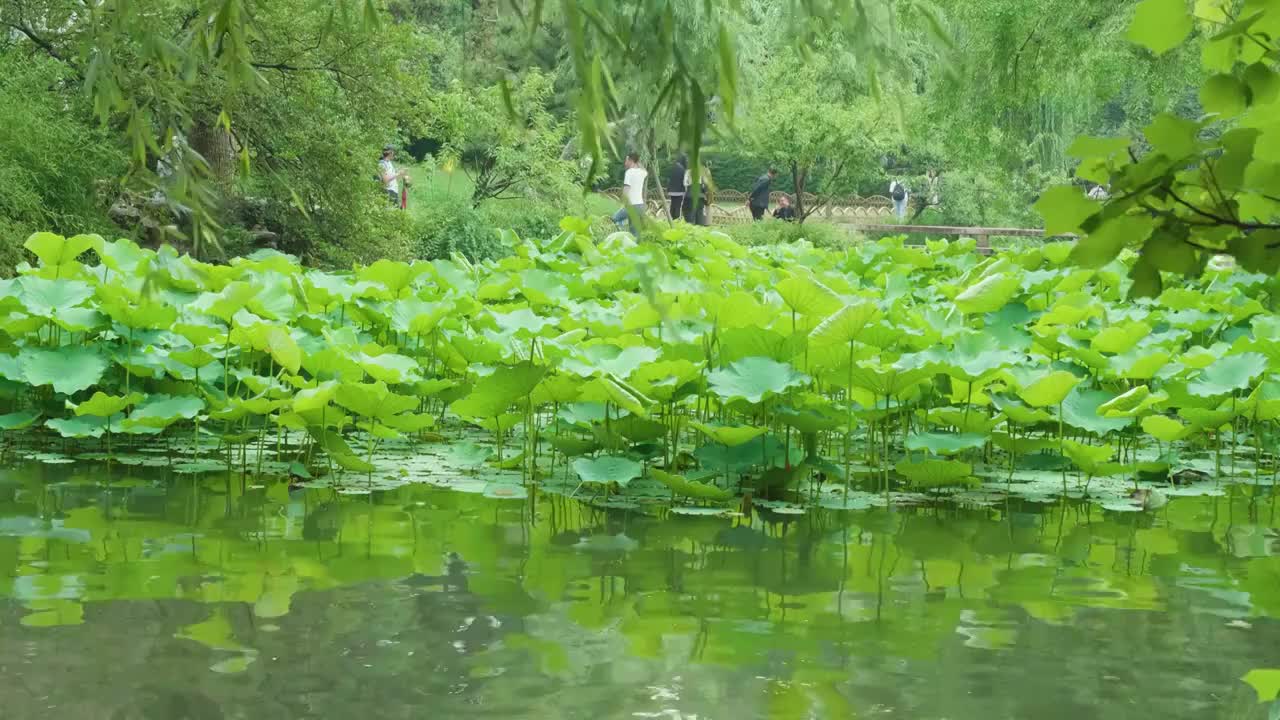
[(631, 450), (147, 593)]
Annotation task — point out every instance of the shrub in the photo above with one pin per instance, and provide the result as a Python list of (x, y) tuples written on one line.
[(454, 226), (773, 232), (526, 219)]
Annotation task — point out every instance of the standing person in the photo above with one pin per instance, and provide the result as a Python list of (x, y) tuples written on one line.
[(758, 201), (785, 212), (697, 214), (676, 184), (898, 193), (632, 194), (390, 176)]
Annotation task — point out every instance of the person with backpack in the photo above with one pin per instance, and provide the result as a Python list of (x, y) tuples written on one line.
[(758, 200), (898, 193)]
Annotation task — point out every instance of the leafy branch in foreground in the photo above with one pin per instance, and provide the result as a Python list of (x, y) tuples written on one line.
[(1189, 189)]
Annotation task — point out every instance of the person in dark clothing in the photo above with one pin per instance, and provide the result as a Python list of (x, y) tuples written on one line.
[(758, 200), (785, 212), (676, 188)]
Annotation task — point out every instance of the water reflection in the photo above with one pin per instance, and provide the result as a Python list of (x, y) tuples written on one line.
[(181, 597)]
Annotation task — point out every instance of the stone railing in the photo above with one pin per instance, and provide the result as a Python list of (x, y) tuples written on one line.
[(729, 207)]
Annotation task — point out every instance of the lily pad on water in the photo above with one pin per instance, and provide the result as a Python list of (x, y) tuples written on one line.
[(607, 469)]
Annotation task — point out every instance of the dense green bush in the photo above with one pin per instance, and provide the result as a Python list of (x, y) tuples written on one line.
[(527, 219), (56, 165), (774, 232), (454, 226)]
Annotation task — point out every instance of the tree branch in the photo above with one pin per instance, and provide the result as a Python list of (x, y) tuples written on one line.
[(45, 45)]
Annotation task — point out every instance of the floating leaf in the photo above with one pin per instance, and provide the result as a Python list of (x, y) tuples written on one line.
[(607, 469)]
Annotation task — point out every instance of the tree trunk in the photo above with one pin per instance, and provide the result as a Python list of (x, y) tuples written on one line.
[(799, 177)]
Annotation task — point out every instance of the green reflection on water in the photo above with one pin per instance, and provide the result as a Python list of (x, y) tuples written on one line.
[(180, 596)]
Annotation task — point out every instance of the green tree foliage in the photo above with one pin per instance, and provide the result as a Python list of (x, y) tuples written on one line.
[(997, 108), (1191, 186), (508, 141), (56, 168), (811, 117)]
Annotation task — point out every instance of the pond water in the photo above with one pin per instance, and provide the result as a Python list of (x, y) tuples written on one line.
[(168, 597)]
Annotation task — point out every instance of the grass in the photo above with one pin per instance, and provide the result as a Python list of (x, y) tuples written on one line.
[(433, 186)]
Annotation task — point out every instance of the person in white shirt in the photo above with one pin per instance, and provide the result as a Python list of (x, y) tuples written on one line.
[(632, 194), (390, 176)]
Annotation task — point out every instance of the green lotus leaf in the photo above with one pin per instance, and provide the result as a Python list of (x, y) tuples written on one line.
[(394, 276), (845, 325), (469, 454), (389, 367), (767, 451), (1206, 418), (755, 378), (1229, 374), (973, 422), (418, 317), (47, 298), (410, 422), (68, 369), (1120, 338), (1265, 401), (123, 256), (1044, 389), (744, 342), (573, 446), (989, 294), (1082, 409), (161, 411), (607, 469), (1091, 459), (1165, 429), (610, 359), (89, 426), (971, 358), (611, 390), (78, 319), (804, 294), (884, 381), (666, 380), (57, 252), (933, 473), (684, 487), (729, 435), (494, 393), (810, 419), (19, 420), (352, 462), (193, 357), (372, 400), (1136, 401), (945, 443), (1019, 413), (104, 405), (1139, 364)]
